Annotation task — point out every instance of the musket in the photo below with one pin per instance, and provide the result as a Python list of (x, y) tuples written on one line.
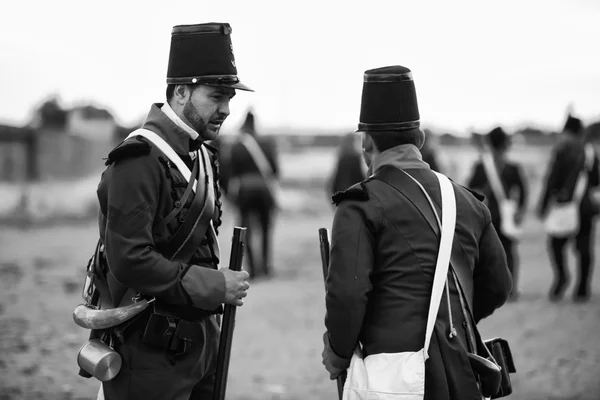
[(324, 246), (227, 325)]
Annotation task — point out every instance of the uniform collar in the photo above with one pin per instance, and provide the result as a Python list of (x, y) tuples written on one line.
[(166, 108), (176, 136), (405, 156)]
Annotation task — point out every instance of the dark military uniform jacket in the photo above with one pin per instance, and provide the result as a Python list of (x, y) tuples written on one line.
[(512, 180), (567, 161), (138, 189), (383, 256), (253, 191)]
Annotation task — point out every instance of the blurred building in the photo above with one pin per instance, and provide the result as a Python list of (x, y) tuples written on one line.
[(57, 144)]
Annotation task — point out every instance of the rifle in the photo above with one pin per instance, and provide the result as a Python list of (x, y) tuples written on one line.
[(324, 246), (226, 338)]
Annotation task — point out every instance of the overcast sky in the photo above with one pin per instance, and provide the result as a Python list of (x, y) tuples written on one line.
[(475, 63)]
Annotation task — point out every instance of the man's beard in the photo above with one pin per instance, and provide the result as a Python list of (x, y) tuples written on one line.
[(196, 121)]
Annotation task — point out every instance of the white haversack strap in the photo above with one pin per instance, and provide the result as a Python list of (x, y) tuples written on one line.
[(184, 170), (167, 151), (493, 176), (582, 178), (443, 258)]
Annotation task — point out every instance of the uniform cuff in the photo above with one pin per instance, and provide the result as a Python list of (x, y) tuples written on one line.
[(205, 287), (336, 361)]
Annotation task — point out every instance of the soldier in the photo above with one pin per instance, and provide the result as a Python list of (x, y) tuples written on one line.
[(253, 187), (429, 152), (568, 160), (146, 207), (383, 252), (511, 177)]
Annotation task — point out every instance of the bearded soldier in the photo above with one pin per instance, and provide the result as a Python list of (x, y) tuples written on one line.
[(159, 226)]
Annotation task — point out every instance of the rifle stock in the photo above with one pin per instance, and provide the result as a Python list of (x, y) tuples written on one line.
[(227, 326), (324, 247)]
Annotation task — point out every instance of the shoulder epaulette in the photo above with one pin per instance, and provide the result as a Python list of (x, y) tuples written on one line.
[(477, 195), (132, 147), (356, 192)]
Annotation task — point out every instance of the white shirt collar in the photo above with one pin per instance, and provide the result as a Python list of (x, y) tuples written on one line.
[(166, 108)]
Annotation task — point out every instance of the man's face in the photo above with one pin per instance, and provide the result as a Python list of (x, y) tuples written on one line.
[(206, 109)]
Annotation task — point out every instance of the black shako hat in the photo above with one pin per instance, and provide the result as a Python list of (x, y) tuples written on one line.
[(573, 124), (203, 53), (389, 100), (498, 138)]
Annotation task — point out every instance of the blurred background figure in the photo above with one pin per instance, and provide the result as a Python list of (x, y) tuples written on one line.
[(513, 184), (429, 151), (252, 187), (349, 166), (567, 162)]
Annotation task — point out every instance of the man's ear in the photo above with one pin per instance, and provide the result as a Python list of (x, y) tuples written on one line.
[(181, 94), (368, 144)]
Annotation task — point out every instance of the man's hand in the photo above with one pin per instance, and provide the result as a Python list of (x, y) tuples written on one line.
[(333, 363), (236, 284)]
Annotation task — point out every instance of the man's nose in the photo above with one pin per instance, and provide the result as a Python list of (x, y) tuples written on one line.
[(224, 108)]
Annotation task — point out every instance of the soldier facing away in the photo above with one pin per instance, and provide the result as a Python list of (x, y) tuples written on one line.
[(567, 162), (511, 178), (383, 252), (253, 187), (147, 208)]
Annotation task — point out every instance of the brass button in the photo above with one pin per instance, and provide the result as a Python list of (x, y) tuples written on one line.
[(177, 204)]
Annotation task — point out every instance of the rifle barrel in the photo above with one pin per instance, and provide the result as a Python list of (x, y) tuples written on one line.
[(324, 246), (228, 324)]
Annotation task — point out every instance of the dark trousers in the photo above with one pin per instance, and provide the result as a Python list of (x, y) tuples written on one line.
[(148, 373), (258, 220), (512, 259), (584, 249), (256, 208)]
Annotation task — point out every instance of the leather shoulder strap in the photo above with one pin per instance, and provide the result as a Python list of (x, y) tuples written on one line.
[(188, 237), (411, 191)]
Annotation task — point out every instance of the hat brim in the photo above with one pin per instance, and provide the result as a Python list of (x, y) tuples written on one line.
[(238, 86)]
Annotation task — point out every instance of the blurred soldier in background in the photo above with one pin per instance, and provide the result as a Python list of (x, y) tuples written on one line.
[(513, 186), (349, 168), (156, 243), (384, 252), (429, 151), (568, 160), (254, 189)]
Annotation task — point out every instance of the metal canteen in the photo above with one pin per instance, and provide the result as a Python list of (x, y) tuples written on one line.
[(98, 359)]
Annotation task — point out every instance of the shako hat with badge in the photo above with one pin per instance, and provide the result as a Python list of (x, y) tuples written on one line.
[(389, 100), (203, 53)]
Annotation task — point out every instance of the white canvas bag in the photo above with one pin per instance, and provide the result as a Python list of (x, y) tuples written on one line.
[(401, 376), (562, 219), (507, 206)]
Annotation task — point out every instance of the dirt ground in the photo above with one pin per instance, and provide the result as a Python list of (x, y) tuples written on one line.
[(277, 343)]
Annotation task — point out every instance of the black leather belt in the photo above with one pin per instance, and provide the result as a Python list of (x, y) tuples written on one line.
[(184, 312)]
